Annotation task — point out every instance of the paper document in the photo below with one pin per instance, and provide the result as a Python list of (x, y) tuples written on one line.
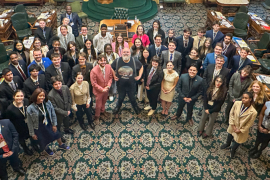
[(264, 79), (252, 58)]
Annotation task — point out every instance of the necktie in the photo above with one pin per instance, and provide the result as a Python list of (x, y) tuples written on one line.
[(171, 57), (214, 35), (84, 38), (44, 33), (42, 66), (5, 147), (157, 51), (150, 77), (22, 73), (69, 18), (36, 83), (103, 72), (185, 43), (13, 86), (199, 43), (65, 40), (59, 72), (120, 51)]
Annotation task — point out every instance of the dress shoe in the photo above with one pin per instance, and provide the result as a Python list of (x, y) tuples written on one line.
[(225, 146), (174, 117), (151, 112), (69, 131), (21, 171), (63, 140), (63, 146), (36, 148), (256, 155), (92, 125), (147, 108), (83, 127), (28, 151), (199, 133), (253, 151), (232, 154)]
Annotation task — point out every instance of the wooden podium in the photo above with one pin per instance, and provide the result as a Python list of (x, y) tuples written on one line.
[(105, 1)]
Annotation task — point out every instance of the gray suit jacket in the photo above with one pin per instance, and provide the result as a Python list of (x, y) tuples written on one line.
[(237, 88), (61, 106), (80, 42), (177, 60), (70, 37)]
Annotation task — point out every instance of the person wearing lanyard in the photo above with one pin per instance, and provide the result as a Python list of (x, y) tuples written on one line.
[(9, 148), (242, 117), (90, 51), (213, 100), (42, 122), (228, 49), (137, 49), (157, 48), (119, 45)]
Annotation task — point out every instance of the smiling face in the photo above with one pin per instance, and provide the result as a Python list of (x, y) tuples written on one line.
[(84, 31), (218, 82), (42, 24), (40, 98), (119, 39), (72, 47), (34, 73), (37, 44), (156, 26), (65, 21), (216, 27), (192, 71), (171, 47), (256, 88), (79, 79), (103, 31), (186, 34), (68, 10), (56, 61), (63, 31), (200, 34), (81, 60), (37, 56), (56, 45), (102, 62), (19, 46), (57, 85), (140, 30), (158, 41), (243, 54), (207, 44), (108, 50), (218, 50), (193, 53), (246, 99), (219, 62), (170, 66), (18, 97), (145, 54), (244, 74), (227, 39), (154, 64), (126, 54), (138, 43), (88, 44), (14, 59)]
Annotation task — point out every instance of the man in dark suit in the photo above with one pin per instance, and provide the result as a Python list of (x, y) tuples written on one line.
[(214, 70), (56, 49), (9, 85), (152, 81), (190, 88), (171, 55), (35, 81), (43, 63), (228, 49), (184, 45), (215, 34), (9, 148), (58, 68), (240, 61), (156, 49), (44, 33), (81, 38), (74, 20), (61, 100), (18, 68)]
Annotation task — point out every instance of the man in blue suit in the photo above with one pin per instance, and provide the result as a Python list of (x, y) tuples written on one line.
[(18, 68), (240, 61), (42, 62), (211, 57), (215, 34), (157, 48), (9, 148), (74, 20)]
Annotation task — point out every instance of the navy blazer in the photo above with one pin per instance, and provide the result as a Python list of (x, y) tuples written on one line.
[(180, 46), (48, 33), (10, 135), (76, 20), (219, 37), (16, 72), (152, 51), (235, 64), (46, 63), (210, 59)]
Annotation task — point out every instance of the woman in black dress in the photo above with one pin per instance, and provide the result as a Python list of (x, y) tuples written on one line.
[(16, 113), (42, 121), (193, 58)]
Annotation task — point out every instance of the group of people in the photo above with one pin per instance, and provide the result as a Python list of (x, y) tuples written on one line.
[(65, 73)]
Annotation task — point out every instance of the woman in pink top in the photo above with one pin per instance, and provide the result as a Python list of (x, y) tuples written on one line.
[(119, 45), (140, 34)]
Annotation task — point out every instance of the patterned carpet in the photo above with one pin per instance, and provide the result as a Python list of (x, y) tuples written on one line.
[(142, 148)]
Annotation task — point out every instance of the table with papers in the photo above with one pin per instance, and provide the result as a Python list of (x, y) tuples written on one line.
[(265, 79), (49, 16), (257, 26)]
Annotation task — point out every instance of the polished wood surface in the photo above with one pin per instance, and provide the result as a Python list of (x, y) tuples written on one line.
[(255, 29), (211, 19), (52, 24), (113, 22), (267, 90), (220, 5), (6, 30), (3, 2), (105, 1)]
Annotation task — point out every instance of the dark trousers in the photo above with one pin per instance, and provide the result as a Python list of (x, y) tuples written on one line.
[(81, 110), (64, 121), (14, 162), (131, 92), (228, 109), (152, 95), (181, 105), (235, 145), (262, 139)]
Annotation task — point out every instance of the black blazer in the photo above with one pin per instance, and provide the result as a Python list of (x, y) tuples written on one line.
[(62, 51), (6, 92), (49, 34), (216, 103), (10, 135), (152, 51), (16, 72), (150, 35), (180, 46), (76, 69), (67, 58), (167, 40), (29, 87), (208, 74), (185, 91), (231, 51), (66, 73), (155, 83), (235, 64)]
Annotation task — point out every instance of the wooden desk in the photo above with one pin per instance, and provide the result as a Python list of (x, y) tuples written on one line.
[(112, 22), (255, 29), (6, 31), (211, 19), (105, 1), (52, 24), (267, 90), (231, 3)]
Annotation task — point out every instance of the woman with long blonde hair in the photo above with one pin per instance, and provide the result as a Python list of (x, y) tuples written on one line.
[(259, 98)]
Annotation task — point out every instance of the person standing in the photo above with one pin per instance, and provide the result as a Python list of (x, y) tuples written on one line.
[(171, 37), (126, 69), (152, 81), (259, 95), (44, 33), (190, 88), (56, 49), (72, 55), (90, 51), (22, 54), (193, 58), (156, 48), (43, 63), (65, 37), (141, 35), (101, 79), (242, 116), (102, 38), (9, 149), (65, 22), (155, 30), (18, 67), (200, 38), (37, 46), (228, 49), (240, 61), (211, 57), (80, 40), (119, 45), (215, 34)]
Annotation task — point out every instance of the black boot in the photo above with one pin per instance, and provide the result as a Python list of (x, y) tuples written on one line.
[(83, 127), (137, 110), (253, 151), (20, 170), (63, 140), (256, 155)]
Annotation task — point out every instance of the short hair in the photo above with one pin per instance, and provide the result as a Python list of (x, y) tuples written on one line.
[(229, 35), (250, 95), (103, 25), (158, 35), (156, 59), (79, 73), (102, 56), (188, 30), (219, 44), (56, 40), (202, 30), (55, 55), (248, 69), (34, 67), (173, 31), (193, 65), (245, 49), (83, 26), (65, 18), (82, 54), (36, 50), (220, 57), (33, 98), (5, 71), (41, 20), (63, 26), (54, 79), (216, 22), (173, 42), (12, 53)]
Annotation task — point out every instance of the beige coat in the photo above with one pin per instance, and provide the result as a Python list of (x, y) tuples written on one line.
[(80, 96), (196, 41), (244, 122)]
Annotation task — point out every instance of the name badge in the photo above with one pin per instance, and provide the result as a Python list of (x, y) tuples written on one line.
[(211, 103), (71, 24)]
